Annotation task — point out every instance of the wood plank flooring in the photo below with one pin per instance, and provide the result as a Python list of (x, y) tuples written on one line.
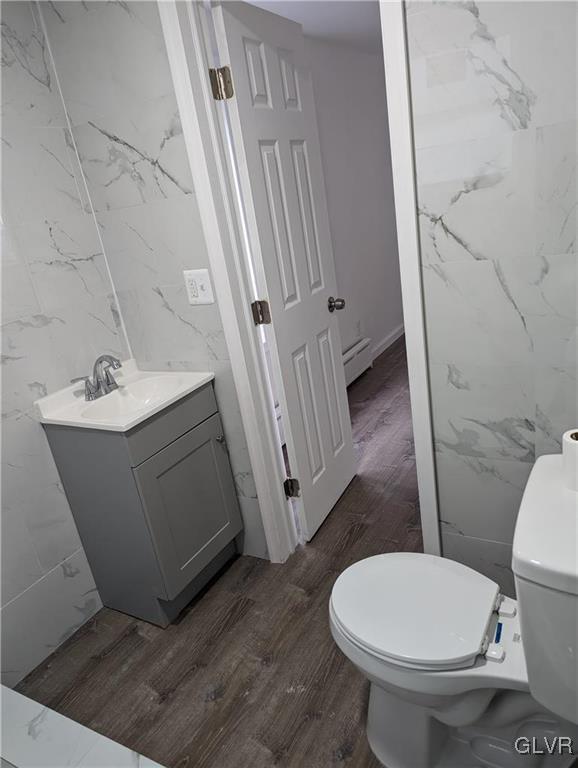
[(249, 675)]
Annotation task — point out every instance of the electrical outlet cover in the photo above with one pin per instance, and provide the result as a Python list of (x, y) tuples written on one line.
[(198, 285)]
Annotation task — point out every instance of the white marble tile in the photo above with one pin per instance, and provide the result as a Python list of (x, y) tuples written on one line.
[(555, 341), (483, 412), (476, 199), (556, 198), (494, 107), (42, 352), (18, 296), (29, 367), (38, 737), (472, 317), (464, 81), (106, 753), (65, 259), (149, 245), (486, 159), (38, 621), (41, 179), (116, 53), (173, 329), (29, 87), (556, 406), (61, 12), (542, 286), (121, 174), (84, 333), (491, 558), (475, 69), (480, 497), (131, 310), (20, 564), (32, 489), (539, 42)]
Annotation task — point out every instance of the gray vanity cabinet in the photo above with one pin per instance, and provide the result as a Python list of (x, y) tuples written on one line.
[(155, 507), (189, 500)]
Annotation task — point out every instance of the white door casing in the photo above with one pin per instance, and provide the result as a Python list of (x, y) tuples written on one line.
[(278, 159)]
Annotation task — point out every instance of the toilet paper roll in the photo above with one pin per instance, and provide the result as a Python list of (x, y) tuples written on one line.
[(570, 458)]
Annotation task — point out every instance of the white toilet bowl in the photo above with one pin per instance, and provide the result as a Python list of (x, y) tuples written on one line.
[(442, 650)]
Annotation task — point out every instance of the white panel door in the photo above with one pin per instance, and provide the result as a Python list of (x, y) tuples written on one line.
[(276, 142)]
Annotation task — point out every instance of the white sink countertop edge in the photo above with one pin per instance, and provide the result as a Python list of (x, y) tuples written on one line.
[(65, 406)]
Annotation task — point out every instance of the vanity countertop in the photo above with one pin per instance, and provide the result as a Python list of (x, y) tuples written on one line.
[(139, 396)]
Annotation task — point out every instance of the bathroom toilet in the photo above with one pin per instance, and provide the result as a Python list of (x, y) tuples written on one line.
[(460, 675)]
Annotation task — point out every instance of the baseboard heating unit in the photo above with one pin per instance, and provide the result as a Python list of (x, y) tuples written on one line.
[(357, 359)]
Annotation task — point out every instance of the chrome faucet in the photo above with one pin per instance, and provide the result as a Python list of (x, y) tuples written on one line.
[(102, 381)]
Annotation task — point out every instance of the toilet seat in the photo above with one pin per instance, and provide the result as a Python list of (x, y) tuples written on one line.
[(415, 610)]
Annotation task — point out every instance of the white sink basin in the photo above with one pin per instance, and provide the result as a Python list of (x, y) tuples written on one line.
[(140, 394)]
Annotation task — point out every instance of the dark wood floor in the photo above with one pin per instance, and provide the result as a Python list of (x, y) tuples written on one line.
[(250, 675)]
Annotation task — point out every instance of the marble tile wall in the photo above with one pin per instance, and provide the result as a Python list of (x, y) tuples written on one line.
[(98, 194), (494, 99), (113, 69), (58, 314)]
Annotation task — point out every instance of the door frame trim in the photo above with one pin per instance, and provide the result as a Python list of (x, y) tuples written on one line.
[(397, 81), (189, 58), (201, 123)]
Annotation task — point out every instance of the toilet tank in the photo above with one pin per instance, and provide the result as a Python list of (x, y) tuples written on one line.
[(545, 565)]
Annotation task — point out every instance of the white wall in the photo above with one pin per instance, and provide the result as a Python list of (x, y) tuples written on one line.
[(351, 106)]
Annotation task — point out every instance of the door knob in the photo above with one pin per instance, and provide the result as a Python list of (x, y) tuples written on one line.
[(333, 304)]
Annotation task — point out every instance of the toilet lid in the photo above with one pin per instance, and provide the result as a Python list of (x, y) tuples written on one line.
[(415, 610)]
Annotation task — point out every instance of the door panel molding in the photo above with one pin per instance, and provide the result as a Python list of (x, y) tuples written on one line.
[(327, 355), (279, 216), (258, 75), (309, 412), (308, 221)]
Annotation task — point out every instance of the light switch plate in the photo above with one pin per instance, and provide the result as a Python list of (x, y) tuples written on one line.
[(198, 285)]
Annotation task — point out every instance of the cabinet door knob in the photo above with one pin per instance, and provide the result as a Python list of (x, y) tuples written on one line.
[(220, 438)]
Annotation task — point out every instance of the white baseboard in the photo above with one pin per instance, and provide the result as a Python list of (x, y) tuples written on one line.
[(386, 342)]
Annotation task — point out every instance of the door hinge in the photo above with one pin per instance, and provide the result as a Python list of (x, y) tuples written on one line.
[(292, 487), (261, 312), (221, 83)]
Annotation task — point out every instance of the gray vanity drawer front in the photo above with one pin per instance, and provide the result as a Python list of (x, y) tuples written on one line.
[(163, 428), (189, 499)]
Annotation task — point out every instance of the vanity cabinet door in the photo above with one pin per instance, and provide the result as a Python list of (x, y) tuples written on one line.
[(190, 503)]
